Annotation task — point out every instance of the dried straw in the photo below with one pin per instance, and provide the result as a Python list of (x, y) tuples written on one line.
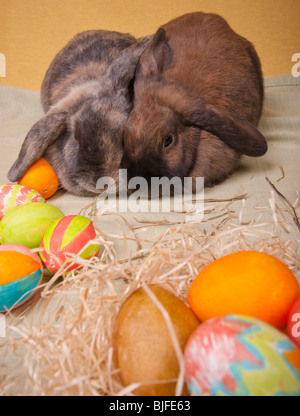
[(60, 342)]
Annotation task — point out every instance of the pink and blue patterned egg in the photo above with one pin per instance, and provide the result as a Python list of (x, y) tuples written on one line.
[(236, 355)]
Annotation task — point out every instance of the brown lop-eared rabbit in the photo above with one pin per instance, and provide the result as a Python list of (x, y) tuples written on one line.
[(198, 96), (87, 96)]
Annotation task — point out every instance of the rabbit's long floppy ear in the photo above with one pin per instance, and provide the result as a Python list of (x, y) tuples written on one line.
[(42, 134), (156, 58), (238, 133), (123, 68)]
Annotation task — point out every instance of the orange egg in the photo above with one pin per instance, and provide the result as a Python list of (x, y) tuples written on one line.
[(21, 273), (41, 177), (246, 283), (14, 266)]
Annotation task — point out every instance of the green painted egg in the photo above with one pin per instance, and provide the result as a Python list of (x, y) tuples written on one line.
[(26, 224)]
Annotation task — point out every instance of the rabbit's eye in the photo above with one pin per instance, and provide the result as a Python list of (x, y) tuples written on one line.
[(168, 141)]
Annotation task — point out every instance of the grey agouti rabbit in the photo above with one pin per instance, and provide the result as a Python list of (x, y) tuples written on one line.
[(87, 98), (198, 96)]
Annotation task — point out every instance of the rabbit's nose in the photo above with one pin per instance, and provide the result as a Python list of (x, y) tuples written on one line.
[(133, 169)]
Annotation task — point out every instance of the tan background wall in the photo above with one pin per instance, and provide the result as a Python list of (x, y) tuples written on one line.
[(32, 31)]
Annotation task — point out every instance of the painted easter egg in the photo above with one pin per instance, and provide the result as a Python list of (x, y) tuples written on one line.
[(245, 283), (67, 236), (293, 325), (235, 355), (21, 272), (26, 224), (42, 177), (14, 195)]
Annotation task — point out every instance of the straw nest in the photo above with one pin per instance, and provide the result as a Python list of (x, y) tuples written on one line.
[(60, 342)]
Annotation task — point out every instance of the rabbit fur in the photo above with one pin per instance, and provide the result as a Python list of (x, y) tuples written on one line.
[(86, 95), (198, 96)]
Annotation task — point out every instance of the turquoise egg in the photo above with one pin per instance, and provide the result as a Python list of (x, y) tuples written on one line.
[(15, 293)]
